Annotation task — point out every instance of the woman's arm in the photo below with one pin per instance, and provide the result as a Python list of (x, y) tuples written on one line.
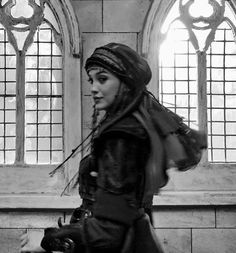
[(120, 160)]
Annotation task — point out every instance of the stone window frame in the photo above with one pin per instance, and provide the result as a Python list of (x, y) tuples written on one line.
[(22, 180), (208, 184)]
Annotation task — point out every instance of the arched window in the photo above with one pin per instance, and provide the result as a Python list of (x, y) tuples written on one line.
[(40, 112), (32, 86), (191, 48), (197, 71)]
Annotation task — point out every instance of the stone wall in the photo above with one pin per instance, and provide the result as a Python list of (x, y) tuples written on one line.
[(99, 25), (179, 229), (196, 229)]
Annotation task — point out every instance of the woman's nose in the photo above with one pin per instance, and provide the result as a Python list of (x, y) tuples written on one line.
[(94, 88)]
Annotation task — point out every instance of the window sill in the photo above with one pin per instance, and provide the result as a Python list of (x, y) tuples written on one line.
[(37, 201), (165, 198)]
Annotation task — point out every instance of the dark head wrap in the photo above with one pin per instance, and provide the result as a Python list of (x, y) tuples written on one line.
[(131, 69), (124, 62)]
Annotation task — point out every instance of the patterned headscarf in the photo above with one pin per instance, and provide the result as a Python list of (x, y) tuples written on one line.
[(124, 62)]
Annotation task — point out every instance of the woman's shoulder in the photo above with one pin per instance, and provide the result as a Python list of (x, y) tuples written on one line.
[(128, 125)]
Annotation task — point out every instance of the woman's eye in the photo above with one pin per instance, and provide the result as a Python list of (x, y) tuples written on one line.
[(102, 79)]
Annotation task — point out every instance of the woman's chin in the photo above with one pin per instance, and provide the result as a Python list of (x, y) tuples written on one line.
[(100, 107)]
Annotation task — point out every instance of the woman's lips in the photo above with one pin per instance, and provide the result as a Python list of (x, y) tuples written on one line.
[(97, 99)]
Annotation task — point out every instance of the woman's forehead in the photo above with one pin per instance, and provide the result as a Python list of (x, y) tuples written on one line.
[(97, 70)]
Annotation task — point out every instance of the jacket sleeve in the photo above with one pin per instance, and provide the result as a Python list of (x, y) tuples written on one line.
[(121, 161)]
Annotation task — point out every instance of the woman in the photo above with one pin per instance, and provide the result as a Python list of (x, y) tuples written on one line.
[(128, 159)]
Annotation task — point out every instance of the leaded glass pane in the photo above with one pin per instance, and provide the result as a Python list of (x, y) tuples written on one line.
[(221, 87), (7, 99), (178, 90), (44, 122)]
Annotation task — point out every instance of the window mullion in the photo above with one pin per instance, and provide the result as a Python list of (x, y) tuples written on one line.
[(202, 92), (20, 108)]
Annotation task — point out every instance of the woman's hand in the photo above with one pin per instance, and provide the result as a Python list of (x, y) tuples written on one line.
[(30, 242), (61, 239)]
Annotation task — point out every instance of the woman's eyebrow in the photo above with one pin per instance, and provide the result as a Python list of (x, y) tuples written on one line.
[(101, 72)]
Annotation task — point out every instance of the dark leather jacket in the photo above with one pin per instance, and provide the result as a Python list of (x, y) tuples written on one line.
[(111, 186), (121, 153)]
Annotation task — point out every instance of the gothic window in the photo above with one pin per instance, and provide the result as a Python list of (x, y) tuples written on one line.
[(197, 73), (31, 98), (40, 94)]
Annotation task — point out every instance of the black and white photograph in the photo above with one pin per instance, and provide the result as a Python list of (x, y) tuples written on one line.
[(117, 126)]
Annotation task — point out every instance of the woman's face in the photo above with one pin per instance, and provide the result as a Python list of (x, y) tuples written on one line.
[(104, 87)]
